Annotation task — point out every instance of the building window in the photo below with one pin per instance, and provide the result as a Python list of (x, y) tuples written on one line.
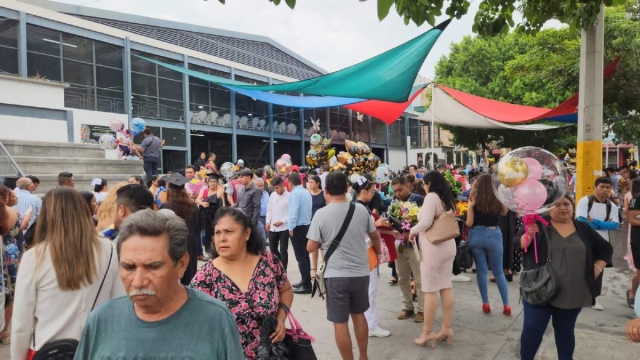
[(396, 133), (156, 91), (209, 103), (289, 116), (378, 132), (414, 133), (251, 111), (313, 118), (338, 123), (360, 126), (93, 69), (8, 46), (174, 137)]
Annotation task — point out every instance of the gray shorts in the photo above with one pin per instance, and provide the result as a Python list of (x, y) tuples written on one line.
[(345, 296)]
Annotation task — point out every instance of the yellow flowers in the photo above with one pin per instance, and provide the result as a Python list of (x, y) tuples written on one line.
[(461, 208)]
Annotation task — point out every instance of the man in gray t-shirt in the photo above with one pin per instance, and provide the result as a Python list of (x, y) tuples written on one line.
[(347, 273), (150, 149), (160, 319)]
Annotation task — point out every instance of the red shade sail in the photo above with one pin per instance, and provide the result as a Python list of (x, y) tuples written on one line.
[(386, 111), (512, 113)]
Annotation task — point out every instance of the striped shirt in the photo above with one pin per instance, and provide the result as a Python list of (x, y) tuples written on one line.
[(27, 200)]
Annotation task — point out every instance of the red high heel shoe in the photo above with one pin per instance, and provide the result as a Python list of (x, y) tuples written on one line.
[(507, 310), (486, 308)]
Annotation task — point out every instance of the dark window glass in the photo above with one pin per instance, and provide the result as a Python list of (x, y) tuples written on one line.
[(220, 98), (8, 60), (338, 123), (77, 48), (168, 73), (108, 78), (199, 95), (108, 55), (378, 132), (79, 97), (414, 133), (8, 32), (174, 137), (313, 117), (173, 160), (140, 65), (44, 66), (78, 73), (170, 89), (171, 110), (360, 127), (43, 40), (144, 85), (154, 130), (110, 101), (144, 106)]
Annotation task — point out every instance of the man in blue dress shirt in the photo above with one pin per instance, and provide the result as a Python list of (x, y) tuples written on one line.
[(299, 220)]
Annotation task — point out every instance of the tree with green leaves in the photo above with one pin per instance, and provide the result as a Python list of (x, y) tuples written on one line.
[(543, 70), (494, 16)]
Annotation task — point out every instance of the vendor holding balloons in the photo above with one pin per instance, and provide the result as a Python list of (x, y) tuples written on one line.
[(150, 149)]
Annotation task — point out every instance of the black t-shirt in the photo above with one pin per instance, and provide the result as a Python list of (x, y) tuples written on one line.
[(634, 204)]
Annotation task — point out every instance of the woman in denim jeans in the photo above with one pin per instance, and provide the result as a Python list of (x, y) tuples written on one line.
[(485, 239)]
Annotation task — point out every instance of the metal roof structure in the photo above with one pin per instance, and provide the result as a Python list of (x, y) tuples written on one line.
[(256, 51)]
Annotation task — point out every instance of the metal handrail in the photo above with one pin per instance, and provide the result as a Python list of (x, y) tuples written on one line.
[(4, 149)]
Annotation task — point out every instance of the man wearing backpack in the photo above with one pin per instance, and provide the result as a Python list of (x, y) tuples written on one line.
[(599, 212)]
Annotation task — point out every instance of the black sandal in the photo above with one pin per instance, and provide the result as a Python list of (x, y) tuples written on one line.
[(393, 281), (630, 301)]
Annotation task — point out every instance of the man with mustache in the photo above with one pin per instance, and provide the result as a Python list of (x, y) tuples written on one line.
[(160, 319)]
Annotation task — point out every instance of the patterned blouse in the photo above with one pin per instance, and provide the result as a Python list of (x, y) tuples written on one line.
[(10, 260), (261, 298)]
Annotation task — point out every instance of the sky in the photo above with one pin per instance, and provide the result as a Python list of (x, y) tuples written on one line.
[(332, 34)]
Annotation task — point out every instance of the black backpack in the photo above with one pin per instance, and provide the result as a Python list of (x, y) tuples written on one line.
[(609, 205)]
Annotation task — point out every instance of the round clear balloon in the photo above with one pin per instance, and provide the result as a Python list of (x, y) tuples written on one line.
[(227, 169), (530, 180), (107, 141), (137, 126), (383, 174)]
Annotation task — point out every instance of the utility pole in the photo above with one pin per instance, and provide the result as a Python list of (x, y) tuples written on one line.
[(590, 109)]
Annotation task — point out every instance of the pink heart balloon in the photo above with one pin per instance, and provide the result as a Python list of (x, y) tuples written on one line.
[(530, 196), (535, 169)]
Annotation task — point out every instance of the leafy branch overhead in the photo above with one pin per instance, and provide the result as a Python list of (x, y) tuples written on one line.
[(494, 16)]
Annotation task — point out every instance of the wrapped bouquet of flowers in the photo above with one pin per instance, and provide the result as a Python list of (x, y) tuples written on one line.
[(402, 216), (461, 209)]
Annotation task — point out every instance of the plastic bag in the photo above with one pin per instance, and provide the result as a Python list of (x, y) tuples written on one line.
[(268, 350)]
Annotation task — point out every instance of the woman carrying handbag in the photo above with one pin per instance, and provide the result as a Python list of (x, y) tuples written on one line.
[(437, 256), (569, 261)]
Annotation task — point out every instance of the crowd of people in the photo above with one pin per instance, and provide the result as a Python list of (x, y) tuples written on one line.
[(114, 273)]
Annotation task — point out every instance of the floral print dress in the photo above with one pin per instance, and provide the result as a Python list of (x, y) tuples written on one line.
[(262, 297), (10, 261)]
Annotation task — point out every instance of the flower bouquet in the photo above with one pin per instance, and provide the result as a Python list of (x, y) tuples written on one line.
[(402, 216), (461, 209)]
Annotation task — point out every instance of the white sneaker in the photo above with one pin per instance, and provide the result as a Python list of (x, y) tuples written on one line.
[(460, 278), (379, 332), (597, 306)]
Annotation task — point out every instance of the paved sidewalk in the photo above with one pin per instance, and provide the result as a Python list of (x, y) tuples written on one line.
[(600, 335)]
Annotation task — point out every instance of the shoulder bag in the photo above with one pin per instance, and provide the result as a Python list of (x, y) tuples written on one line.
[(540, 286), (63, 349), (444, 227), (318, 282)]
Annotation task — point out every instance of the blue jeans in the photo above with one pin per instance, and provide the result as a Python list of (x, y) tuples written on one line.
[(261, 228), (486, 243), (536, 319)]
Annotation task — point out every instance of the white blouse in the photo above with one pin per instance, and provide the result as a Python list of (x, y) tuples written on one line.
[(41, 308)]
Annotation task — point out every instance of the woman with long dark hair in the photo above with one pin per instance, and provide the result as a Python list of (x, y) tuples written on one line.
[(248, 279), (318, 199), (435, 267), (179, 201), (485, 239)]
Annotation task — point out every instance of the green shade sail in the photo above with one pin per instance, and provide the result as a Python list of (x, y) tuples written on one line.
[(385, 77)]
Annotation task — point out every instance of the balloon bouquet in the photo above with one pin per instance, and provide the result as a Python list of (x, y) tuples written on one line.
[(529, 181), (284, 164), (122, 140)]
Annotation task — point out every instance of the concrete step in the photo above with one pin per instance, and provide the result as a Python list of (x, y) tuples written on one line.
[(77, 166), (83, 182), (45, 149)]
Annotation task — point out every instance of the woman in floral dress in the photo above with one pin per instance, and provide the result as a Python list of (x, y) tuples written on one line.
[(249, 280), (10, 258)]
